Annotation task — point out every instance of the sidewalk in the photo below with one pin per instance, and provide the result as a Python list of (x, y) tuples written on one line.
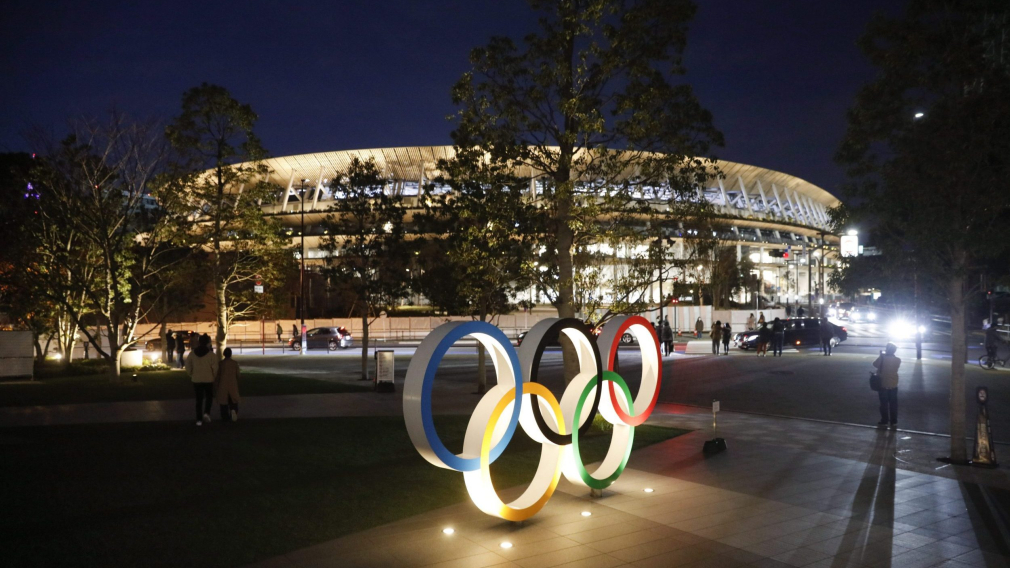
[(786, 493)]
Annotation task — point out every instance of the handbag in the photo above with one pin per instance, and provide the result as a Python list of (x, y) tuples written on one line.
[(874, 382)]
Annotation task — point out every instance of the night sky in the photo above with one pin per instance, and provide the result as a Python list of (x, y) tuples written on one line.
[(778, 76)]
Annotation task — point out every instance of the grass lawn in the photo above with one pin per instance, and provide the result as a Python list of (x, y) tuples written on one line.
[(171, 494), (150, 385)]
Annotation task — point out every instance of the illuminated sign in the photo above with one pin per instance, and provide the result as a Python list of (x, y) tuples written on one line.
[(557, 426), (850, 245)]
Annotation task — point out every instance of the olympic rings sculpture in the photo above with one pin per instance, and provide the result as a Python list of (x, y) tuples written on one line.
[(556, 425)]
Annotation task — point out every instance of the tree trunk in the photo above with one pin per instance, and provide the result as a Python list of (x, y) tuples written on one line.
[(958, 352), (163, 333), (40, 355), (364, 345), (221, 337)]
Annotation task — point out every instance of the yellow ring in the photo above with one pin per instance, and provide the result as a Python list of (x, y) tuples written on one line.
[(482, 490)]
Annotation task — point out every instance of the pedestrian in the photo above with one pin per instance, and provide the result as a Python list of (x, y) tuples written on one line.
[(778, 337), (761, 318), (194, 340), (716, 334), (827, 335), (280, 332), (294, 330), (180, 348), (667, 337), (992, 341), (751, 322), (201, 366), (86, 343), (801, 312), (887, 368), (699, 328), (764, 338), (789, 311), (727, 332), (170, 347), (226, 387)]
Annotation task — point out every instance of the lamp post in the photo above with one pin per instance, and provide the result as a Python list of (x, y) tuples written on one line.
[(301, 276)]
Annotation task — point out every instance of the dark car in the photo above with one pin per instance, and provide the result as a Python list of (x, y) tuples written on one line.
[(799, 332), (330, 338), (154, 344)]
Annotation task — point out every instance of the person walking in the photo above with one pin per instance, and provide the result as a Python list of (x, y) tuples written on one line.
[(667, 337), (827, 335), (202, 367), (778, 337), (294, 330), (764, 338), (180, 348), (887, 368), (280, 332), (226, 387), (716, 335), (699, 328), (170, 348), (761, 318), (800, 312), (751, 322), (727, 333)]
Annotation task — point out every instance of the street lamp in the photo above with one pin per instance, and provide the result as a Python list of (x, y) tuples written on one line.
[(301, 276), (853, 232), (919, 115)]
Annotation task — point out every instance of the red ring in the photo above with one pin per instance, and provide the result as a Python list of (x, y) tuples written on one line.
[(641, 417)]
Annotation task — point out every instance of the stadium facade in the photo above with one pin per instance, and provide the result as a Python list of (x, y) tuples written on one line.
[(766, 212)]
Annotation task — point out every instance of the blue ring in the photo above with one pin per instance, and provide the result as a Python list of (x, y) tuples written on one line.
[(448, 458)]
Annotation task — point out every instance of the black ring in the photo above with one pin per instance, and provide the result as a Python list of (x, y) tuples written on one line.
[(544, 333)]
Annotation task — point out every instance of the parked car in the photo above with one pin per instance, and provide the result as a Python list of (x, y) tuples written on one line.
[(154, 344), (799, 332), (330, 338)]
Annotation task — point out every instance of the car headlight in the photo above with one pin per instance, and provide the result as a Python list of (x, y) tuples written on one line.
[(871, 316), (901, 329)]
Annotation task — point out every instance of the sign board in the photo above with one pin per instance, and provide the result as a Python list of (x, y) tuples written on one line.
[(850, 245), (715, 406), (385, 364), (258, 288)]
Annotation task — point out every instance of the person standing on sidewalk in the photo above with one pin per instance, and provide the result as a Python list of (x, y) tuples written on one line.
[(667, 337), (827, 334), (226, 387), (727, 332), (764, 338), (761, 318), (294, 330), (699, 328), (170, 348), (201, 365), (280, 332), (180, 348), (887, 368), (751, 323), (778, 337), (716, 335)]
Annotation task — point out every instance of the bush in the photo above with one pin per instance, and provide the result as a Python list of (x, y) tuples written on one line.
[(154, 366), (600, 424)]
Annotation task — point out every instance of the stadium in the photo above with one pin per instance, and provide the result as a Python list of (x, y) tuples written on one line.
[(779, 221)]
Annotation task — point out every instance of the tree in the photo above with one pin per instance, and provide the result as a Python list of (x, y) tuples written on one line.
[(585, 101), (98, 236), (215, 188), (490, 230), (368, 255), (928, 152)]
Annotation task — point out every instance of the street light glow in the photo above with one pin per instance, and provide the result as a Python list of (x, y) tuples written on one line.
[(853, 232), (919, 115)]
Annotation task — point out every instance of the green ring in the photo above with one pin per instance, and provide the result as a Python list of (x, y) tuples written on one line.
[(591, 481)]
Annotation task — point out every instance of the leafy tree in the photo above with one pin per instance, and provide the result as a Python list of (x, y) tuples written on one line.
[(215, 188), (593, 80), (928, 151), (368, 253), (102, 244), (490, 230)]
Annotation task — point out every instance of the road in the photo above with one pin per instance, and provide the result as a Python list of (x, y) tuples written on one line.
[(802, 384)]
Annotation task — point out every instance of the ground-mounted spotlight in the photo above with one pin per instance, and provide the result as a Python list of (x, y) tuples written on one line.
[(448, 530)]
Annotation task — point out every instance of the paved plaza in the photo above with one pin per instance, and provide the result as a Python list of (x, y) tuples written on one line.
[(787, 493)]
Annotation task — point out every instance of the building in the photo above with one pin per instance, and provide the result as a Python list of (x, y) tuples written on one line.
[(768, 213)]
